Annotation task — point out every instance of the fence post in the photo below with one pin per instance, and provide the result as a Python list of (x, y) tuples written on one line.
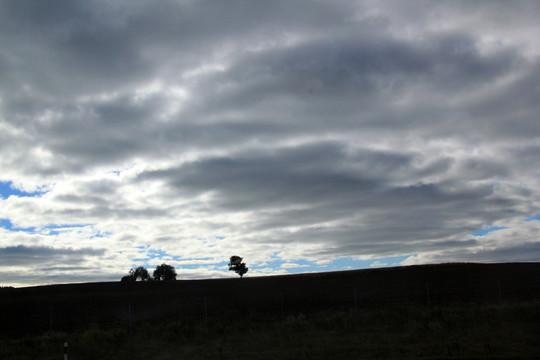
[(129, 318), (500, 292), (428, 295), (66, 351), (355, 301), (282, 312), (206, 309), (51, 320)]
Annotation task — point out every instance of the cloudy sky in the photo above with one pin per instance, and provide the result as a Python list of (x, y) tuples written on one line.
[(300, 135)]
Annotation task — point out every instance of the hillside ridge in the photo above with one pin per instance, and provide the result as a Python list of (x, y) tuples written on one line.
[(69, 307)]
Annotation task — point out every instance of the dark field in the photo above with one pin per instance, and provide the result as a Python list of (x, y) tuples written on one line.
[(432, 311)]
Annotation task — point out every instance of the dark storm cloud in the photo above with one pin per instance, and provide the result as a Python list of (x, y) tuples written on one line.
[(67, 47), (514, 104), (523, 252), (351, 64), (285, 176), (88, 46), (528, 252), (393, 221), (340, 83)]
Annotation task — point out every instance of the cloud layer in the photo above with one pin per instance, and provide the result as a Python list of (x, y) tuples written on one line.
[(285, 132)]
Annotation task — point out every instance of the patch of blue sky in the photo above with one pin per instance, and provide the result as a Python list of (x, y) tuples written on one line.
[(390, 261), (220, 265), (8, 225), (351, 263), (49, 229), (56, 229), (211, 241), (143, 259), (344, 263), (272, 264), (102, 234), (532, 218), (487, 230), (154, 255), (7, 189), (300, 266), (139, 262), (157, 254)]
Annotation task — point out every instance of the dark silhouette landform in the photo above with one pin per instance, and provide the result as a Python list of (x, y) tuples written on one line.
[(112, 304), (461, 310)]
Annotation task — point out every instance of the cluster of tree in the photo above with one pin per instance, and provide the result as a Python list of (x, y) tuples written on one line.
[(163, 272), (166, 272)]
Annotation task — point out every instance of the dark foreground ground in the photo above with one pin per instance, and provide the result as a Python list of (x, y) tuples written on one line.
[(433, 312)]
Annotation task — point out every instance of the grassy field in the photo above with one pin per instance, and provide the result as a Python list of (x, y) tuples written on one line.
[(482, 332), (432, 312)]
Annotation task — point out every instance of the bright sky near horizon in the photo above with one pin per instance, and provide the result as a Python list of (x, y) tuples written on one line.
[(301, 135)]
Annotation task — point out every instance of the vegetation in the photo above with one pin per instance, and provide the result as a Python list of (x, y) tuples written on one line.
[(478, 331), (138, 274), (237, 265), (164, 272)]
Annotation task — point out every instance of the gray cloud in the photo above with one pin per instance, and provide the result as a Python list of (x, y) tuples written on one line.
[(314, 130), (35, 255), (285, 176), (312, 185)]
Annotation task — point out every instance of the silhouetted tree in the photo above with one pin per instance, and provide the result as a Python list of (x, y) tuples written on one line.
[(238, 266), (164, 272), (138, 274)]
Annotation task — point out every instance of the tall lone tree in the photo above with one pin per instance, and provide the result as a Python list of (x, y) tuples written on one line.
[(164, 272), (238, 266)]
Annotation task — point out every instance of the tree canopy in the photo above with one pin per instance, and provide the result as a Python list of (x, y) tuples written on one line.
[(138, 274), (237, 265), (164, 272)]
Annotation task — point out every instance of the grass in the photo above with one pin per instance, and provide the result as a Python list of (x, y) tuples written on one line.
[(474, 331)]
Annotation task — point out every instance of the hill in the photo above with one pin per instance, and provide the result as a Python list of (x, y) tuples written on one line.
[(480, 311), (35, 310)]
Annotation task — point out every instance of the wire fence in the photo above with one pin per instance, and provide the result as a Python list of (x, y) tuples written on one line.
[(27, 312)]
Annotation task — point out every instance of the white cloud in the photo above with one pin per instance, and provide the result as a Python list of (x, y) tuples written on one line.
[(292, 266), (377, 263)]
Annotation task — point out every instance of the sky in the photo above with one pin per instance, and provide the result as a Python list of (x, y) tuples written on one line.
[(300, 135)]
